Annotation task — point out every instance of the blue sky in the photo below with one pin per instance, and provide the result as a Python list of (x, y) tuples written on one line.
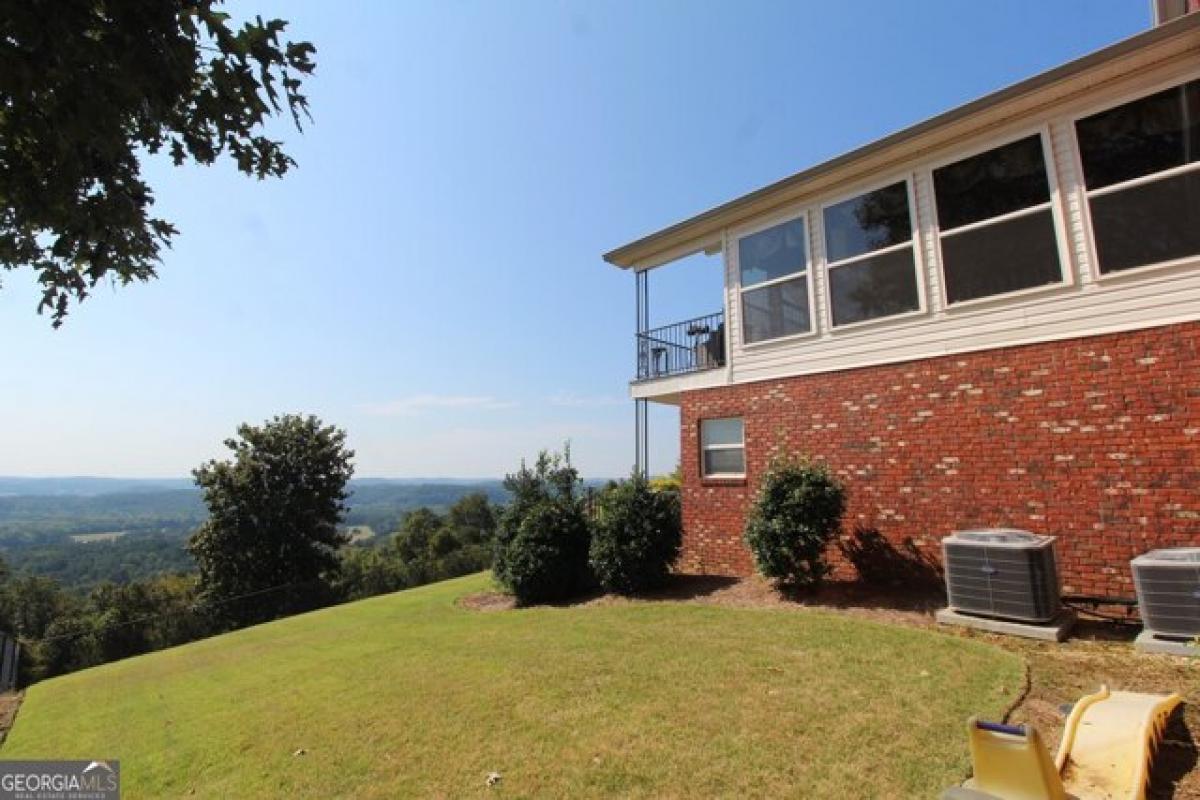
[(430, 277)]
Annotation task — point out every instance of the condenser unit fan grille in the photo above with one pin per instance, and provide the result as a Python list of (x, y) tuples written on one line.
[(1168, 589), (1002, 573)]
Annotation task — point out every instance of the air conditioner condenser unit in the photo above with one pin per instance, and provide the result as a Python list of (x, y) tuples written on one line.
[(1002, 573)]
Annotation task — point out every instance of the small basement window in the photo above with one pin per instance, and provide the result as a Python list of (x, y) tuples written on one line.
[(773, 266), (1141, 169), (997, 226), (722, 448), (871, 263)]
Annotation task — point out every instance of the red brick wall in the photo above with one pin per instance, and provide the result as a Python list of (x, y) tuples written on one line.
[(1094, 440)]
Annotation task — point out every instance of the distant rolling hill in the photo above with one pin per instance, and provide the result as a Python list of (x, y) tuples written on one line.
[(36, 507), (87, 486), (81, 530)]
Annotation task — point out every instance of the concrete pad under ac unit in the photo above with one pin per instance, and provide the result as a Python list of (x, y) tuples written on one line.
[(1147, 642), (1055, 630)]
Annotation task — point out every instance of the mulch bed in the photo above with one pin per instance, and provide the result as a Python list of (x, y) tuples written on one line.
[(487, 601)]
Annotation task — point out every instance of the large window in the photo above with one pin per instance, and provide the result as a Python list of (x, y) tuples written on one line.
[(869, 249), (1141, 168), (996, 221), (774, 275), (722, 448)]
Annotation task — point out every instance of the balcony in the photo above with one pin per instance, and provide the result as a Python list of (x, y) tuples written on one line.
[(681, 348)]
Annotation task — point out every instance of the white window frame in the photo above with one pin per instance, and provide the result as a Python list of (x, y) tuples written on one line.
[(1086, 195), (914, 243), (807, 272), (704, 449), (1066, 266)]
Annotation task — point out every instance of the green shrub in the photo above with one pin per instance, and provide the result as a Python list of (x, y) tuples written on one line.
[(797, 511), (636, 536), (547, 555), (542, 538)]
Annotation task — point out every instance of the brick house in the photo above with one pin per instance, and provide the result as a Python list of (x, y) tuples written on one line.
[(989, 319)]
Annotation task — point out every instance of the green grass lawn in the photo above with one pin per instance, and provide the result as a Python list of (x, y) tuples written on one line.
[(411, 695)]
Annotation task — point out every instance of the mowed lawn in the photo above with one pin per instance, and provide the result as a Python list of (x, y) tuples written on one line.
[(410, 695)]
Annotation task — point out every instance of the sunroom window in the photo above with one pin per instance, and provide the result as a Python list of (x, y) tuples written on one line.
[(869, 249), (1141, 167), (997, 226), (773, 264)]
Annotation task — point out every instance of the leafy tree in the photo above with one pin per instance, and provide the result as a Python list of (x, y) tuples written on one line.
[(86, 86), (795, 515), (443, 543), (636, 536), (368, 571), (116, 617), (38, 612), (411, 542), (425, 549), (32, 604), (472, 518), (58, 652), (274, 510), (542, 540), (176, 620)]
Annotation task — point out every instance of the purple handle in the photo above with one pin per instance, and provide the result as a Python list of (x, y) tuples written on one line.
[(999, 727)]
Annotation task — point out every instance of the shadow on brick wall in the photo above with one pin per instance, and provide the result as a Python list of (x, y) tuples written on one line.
[(884, 563)]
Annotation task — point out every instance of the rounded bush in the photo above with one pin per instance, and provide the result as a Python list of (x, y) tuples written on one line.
[(541, 541), (797, 511), (545, 558), (636, 536)]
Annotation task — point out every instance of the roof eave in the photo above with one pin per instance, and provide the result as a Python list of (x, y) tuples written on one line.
[(696, 233)]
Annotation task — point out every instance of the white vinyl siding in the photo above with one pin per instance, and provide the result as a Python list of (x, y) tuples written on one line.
[(1079, 306)]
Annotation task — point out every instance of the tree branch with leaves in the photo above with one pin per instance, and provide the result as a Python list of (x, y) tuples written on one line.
[(87, 87)]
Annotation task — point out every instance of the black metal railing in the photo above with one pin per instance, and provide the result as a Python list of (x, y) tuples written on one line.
[(683, 347)]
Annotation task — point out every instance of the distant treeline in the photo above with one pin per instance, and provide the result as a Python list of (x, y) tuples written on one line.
[(32, 519), (62, 629), (81, 566), (36, 530)]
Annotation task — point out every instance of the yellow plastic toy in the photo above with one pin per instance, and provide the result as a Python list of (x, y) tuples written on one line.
[(1107, 745)]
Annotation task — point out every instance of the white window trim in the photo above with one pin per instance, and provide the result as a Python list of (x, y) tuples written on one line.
[(1142, 180), (1062, 235), (914, 242), (807, 272), (705, 448), (1100, 278)]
